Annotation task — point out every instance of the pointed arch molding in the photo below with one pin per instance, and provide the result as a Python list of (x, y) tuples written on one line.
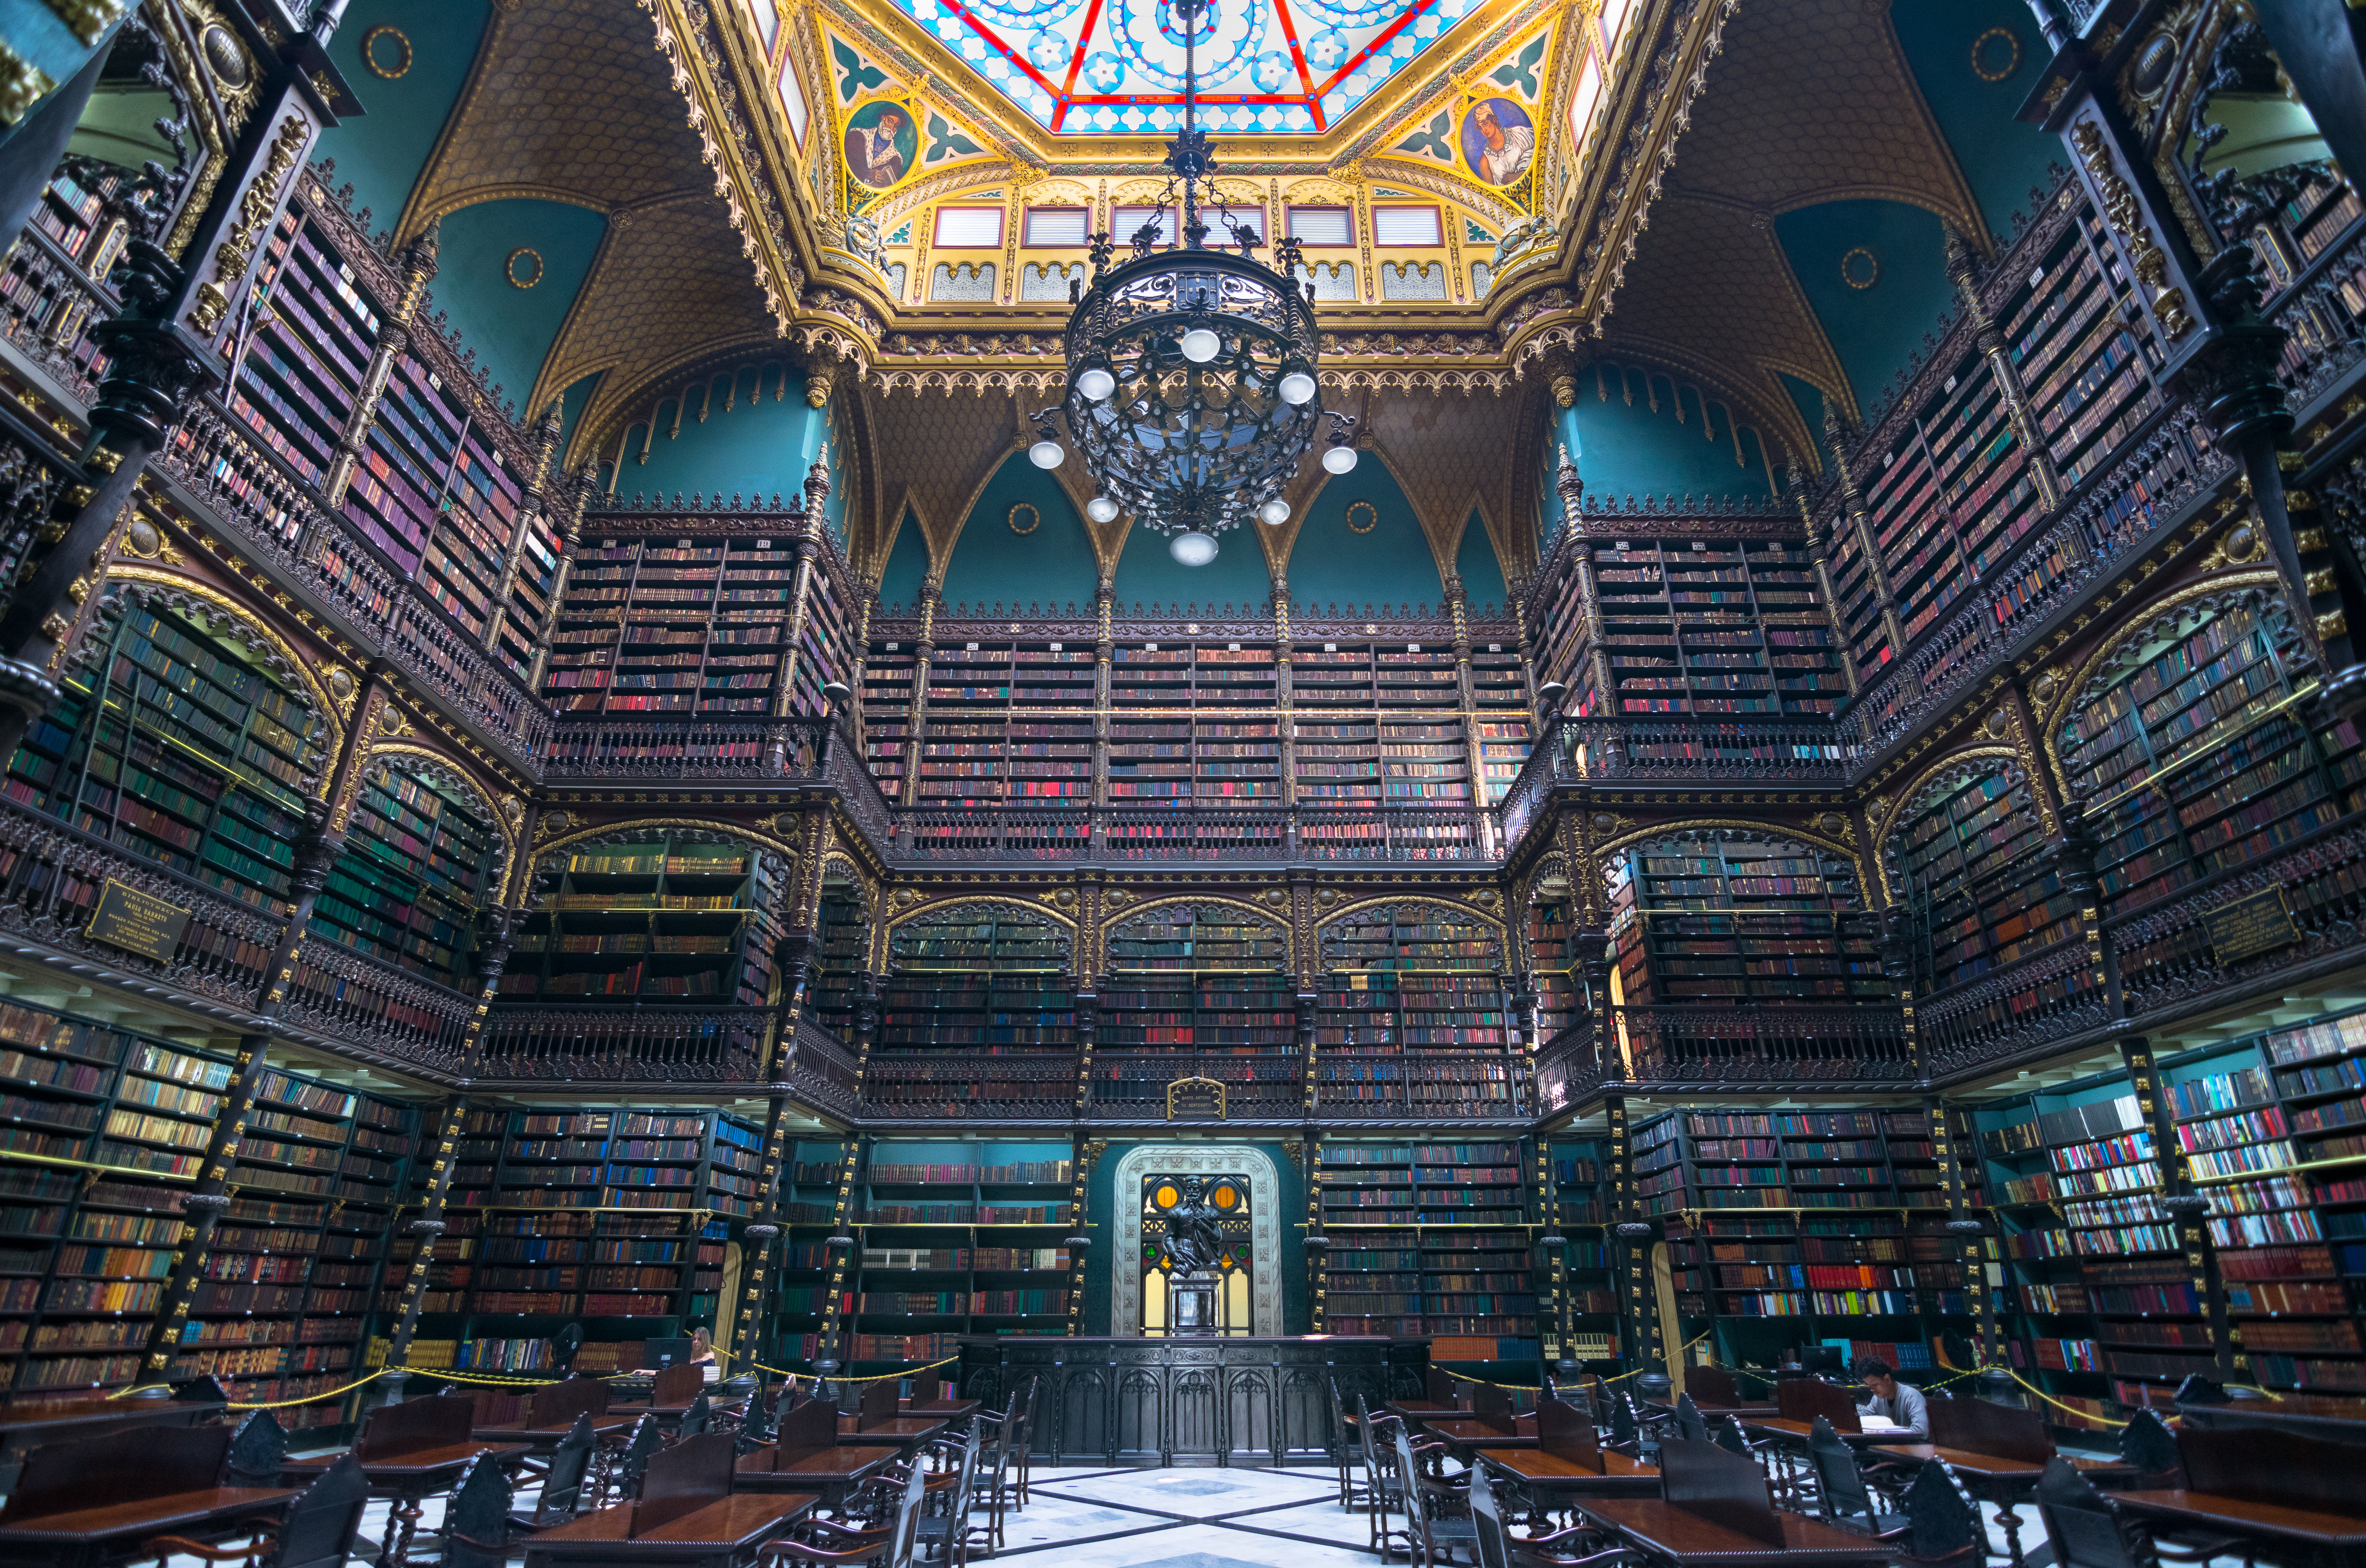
[(1061, 927), (1276, 918), (1198, 1159), (1469, 913), (549, 854), (1787, 832), (2105, 665), (1948, 771), (218, 612), (499, 812)]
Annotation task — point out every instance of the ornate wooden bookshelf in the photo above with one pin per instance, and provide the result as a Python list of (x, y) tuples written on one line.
[(1431, 1239), (1728, 916), (672, 918)]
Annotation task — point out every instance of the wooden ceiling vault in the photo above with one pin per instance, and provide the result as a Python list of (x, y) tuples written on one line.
[(722, 246)]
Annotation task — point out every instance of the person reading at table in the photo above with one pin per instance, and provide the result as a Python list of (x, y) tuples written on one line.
[(1900, 1404)]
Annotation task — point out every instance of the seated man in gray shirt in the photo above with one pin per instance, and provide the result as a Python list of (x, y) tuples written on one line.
[(1899, 1401)]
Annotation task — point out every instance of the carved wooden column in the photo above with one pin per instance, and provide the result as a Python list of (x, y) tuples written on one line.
[(1632, 1237), (916, 732), (569, 525), (802, 544), (841, 1244), (1963, 271), (1554, 1247), (1823, 568), (1104, 655), (423, 1232), (756, 1240), (1079, 1241), (1317, 1244), (417, 263), (202, 1209), (1965, 1226), (1852, 511), (1593, 658), (530, 506)]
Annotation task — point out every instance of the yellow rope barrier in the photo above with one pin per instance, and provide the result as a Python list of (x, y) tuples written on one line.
[(311, 1398), (876, 1377)]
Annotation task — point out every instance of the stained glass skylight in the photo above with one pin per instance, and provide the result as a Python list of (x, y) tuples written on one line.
[(1115, 67)]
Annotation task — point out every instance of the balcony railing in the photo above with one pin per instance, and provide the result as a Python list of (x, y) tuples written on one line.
[(1773, 1045), (278, 517), (1022, 835), (647, 1043), (46, 307)]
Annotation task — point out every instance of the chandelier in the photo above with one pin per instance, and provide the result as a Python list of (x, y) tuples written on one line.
[(1191, 389)]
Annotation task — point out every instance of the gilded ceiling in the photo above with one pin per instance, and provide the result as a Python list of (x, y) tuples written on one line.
[(1524, 186)]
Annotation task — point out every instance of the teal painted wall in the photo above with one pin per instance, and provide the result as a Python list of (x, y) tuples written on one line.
[(760, 444), (571, 404), (511, 328), (1624, 448), (1871, 330), (1391, 565), (1147, 575), (382, 152), (2002, 157), (1296, 1316), (1052, 567), (1475, 564), (907, 564)]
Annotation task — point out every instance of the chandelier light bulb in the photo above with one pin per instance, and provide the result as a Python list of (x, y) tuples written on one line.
[(1096, 384), (1274, 513), (1339, 460), (1297, 387), (1101, 509), (1199, 345), (1193, 549), (1049, 454)]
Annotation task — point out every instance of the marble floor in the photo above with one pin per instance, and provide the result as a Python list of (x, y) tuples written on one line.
[(1167, 1518)]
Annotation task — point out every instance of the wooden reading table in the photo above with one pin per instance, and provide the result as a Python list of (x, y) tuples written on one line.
[(688, 1517), (1715, 1395), (880, 1422), (1568, 1462), (1492, 1424), (1715, 1511), (2265, 1486), (671, 1394), (29, 1423), (548, 1415), (99, 1500), (808, 1457), (410, 1453), (1998, 1451)]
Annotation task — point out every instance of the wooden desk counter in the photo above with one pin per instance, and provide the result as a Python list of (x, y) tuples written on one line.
[(943, 1409), (904, 1433), (1548, 1477), (407, 1479), (2342, 1534), (718, 1535), (1799, 1431), (1996, 1469), (540, 1439), (831, 1475), (89, 1535), (1670, 1534), (1464, 1437)]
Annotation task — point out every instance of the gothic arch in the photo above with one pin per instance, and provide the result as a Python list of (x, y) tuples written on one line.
[(445, 770)]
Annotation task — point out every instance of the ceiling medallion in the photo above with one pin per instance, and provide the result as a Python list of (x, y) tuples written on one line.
[(1024, 512), (384, 69), (1362, 517), (1192, 371), (1860, 269), (527, 275)]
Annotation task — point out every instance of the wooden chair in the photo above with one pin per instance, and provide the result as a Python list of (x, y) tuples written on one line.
[(1431, 1505), (946, 1523), (1847, 1501), (1022, 1458), (477, 1524), (255, 1450), (1386, 1494), (822, 1542), (1353, 1493), (1007, 1490), (562, 1475), (2147, 1443), (625, 1482), (317, 1531), (696, 1419), (1690, 1424), (1499, 1548), (2085, 1530), (997, 1427), (1943, 1526)]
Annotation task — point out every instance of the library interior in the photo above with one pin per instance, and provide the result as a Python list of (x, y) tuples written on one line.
[(689, 877)]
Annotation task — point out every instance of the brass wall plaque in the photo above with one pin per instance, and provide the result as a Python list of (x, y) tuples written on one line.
[(136, 922), (2248, 927), (1195, 1099)]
